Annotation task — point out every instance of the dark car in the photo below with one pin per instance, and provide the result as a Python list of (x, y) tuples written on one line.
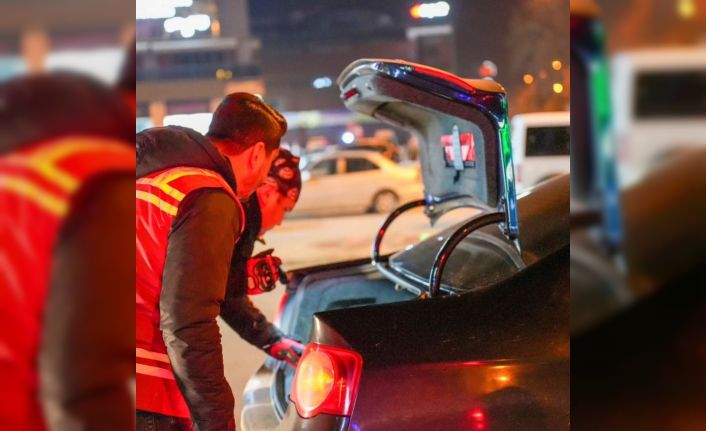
[(466, 330), (638, 303)]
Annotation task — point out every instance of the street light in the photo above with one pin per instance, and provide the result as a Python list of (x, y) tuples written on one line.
[(430, 10), (686, 9), (348, 137), (188, 26), (528, 79), (556, 65), (488, 69), (322, 82), (558, 88), (159, 9)]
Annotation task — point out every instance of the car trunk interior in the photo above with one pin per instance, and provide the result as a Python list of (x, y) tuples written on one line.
[(354, 286), (342, 288)]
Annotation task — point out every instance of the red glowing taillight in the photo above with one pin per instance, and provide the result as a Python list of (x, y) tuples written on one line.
[(350, 93), (326, 381), (477, 420)]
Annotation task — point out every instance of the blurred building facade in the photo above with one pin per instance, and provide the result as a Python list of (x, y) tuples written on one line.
[(291, 52), (635, 24), (190, 56), (36, 35)]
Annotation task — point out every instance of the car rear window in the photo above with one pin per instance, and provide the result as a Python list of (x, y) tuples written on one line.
[(548, 141), (678, 94), (323, 167)]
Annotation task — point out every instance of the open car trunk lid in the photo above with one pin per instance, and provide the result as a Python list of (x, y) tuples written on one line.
[(461, 124), (465, 156)]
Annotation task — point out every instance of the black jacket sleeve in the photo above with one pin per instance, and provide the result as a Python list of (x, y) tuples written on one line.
[(86, 357), (237, 309), (193, 287), (248, 321)]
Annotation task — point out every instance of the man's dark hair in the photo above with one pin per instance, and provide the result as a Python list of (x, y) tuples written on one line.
[(242, 120)]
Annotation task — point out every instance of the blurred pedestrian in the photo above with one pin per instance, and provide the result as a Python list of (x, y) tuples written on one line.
[(66, 172)]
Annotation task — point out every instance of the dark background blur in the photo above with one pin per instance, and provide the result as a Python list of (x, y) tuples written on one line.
[(649, 23), (291, 52)]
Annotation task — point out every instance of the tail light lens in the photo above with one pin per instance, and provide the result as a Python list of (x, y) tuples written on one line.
[(326, 381), (350, 93)]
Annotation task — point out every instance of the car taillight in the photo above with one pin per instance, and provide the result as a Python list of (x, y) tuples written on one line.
[(350, 93), (326, 381)]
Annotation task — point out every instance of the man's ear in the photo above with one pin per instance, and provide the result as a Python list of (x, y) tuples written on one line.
[(258, 156)]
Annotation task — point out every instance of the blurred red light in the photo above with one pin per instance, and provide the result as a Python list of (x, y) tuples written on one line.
[(477, 419), (350, 93)]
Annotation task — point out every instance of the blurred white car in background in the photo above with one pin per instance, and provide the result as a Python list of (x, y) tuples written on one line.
[(540, 146), (659, 104), (357, 180)]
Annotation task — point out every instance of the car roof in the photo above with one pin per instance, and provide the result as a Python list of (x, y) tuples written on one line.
[(662, 58), (347, 153), (543, 118)]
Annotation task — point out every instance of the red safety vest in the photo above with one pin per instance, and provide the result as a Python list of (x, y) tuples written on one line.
[(158, 197), (37, 185)]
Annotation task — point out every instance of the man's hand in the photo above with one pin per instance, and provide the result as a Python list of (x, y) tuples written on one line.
[(286, 349)]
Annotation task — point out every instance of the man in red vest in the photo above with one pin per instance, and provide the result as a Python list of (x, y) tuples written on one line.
[(66, 171), (188, 219)]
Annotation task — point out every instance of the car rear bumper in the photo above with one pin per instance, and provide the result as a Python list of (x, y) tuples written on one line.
[(259, 412)]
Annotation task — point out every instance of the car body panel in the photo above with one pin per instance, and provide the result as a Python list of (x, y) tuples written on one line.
[(507, 357)]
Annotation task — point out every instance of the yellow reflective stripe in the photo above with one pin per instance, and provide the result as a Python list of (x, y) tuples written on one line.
[(46, 169), (75, 144), (61, 178), (163, 186), (44, 161), (149, 370), (34, 193), (156, 201), (146, 354), (162, 180)]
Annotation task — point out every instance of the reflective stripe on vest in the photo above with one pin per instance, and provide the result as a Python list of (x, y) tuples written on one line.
[(162, 182), (46, 200), (44, 163), (152, 370)]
